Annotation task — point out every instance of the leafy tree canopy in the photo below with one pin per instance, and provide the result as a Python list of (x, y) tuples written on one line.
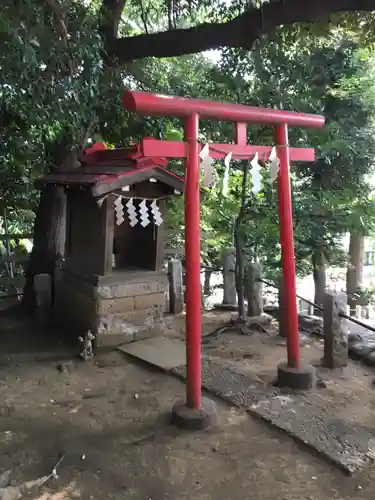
[(64, 64)]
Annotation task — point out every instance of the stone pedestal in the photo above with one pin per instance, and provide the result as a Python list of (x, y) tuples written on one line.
[(300, 379), (118, 308), (195, 418), (335, 330), (229, 277)]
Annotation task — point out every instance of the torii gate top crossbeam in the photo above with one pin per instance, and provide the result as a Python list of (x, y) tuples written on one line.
[(149, 104), (192, 111)]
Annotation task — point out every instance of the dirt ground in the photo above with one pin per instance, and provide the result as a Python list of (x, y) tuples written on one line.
[(350, 391), (109, 420)]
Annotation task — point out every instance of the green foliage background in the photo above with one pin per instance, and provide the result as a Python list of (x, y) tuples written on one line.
[(57, 94)]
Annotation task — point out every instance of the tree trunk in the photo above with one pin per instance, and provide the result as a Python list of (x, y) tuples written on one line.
[(238, 243), (50, 221), (354, 273), (240, 275), (320, 279), (49, 240), (207, 280)]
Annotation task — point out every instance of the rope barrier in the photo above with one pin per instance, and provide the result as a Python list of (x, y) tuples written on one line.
[(268, 283), (358, 322), (320, 308)]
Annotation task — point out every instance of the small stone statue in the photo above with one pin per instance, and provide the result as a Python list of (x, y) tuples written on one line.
[(87, 351)]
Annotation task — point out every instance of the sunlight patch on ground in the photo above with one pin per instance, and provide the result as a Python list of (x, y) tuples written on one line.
[(67, 493)]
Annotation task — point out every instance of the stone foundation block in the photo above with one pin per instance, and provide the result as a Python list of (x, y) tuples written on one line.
[(114, 306), (147, 301)]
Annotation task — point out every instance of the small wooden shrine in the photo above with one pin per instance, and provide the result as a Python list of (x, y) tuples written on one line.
[(112, 281)]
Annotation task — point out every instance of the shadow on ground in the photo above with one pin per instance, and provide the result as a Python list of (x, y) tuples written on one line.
[(20, 336)]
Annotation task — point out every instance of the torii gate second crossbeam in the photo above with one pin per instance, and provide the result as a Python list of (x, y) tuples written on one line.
[(191, 111)]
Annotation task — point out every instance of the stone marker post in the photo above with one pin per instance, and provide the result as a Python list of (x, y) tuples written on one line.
[(254, 290), (167, 308), (335, 330), (358, 312), (367, 312), (176, 289), (229, 277)]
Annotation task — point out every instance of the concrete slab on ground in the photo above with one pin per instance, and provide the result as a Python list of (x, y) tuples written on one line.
[(349, 446), (158, 351)]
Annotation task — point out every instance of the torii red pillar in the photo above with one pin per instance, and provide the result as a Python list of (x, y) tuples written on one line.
[(191, 111)]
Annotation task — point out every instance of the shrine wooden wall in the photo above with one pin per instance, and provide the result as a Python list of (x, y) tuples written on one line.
[(89, 234)]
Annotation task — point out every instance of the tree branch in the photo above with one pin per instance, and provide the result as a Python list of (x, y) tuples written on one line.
[(59, 20), (242, 31), (61, 29), (144, 16), (240, 265), (111, 12)]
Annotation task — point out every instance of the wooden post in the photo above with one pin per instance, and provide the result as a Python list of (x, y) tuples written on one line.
[(254, 290), (105, 245), (176, 292), (335, 331), (160, 238)]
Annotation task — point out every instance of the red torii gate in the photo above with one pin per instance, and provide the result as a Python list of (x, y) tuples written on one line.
[(192, 110)]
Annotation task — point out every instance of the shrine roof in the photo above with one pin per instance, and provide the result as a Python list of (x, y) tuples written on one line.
[(110, 170)]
